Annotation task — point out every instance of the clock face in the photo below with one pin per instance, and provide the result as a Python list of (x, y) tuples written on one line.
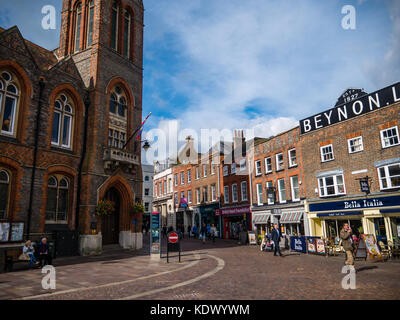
[(350, 95)]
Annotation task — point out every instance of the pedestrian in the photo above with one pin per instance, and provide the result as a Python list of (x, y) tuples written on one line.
[(213, 231), (44, 253), (276, 238), (203, 232), (347, 243), (29, 250), (194, 231), (189, 229), (208, 231)]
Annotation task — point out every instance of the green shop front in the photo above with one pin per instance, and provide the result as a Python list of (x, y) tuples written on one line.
[(205, 213)]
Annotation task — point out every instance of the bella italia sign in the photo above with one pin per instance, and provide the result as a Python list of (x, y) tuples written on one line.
[(354, 106), (366, 203)]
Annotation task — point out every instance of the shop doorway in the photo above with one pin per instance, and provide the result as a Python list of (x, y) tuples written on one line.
[(110, 223), (380, 230)]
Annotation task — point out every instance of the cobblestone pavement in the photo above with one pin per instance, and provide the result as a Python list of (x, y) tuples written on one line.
[(208, 271)]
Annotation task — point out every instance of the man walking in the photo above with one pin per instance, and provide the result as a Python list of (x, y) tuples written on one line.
[(276, 238), (203, 232), (347, 243)]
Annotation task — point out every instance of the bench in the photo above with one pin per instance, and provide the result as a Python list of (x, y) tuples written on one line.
[(11, 258)]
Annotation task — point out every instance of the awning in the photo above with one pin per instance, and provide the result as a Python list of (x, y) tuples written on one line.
[(291, 217), (261, 218)]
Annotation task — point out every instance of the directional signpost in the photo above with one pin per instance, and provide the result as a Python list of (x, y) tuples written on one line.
[(173, 245)]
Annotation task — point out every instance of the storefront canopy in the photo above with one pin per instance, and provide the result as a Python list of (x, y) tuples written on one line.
[(261, 218), (291, 217)]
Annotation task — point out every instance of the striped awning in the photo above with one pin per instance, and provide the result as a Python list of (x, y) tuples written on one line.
[(261, 218), (291, 217)]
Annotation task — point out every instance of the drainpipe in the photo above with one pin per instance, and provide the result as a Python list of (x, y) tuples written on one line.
[(37, 130), (83, 155)]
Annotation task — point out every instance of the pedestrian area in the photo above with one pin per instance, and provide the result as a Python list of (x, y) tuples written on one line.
[(224, 270)]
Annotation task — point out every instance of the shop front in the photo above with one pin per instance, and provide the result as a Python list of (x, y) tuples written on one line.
[(262, 222), (234, 221), (207, 214), (378, 215)]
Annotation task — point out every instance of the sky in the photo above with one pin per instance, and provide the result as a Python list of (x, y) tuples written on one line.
[(254, 64)]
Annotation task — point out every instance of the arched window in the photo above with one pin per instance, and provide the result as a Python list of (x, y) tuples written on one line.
[(61, 134), (118, 118), (90, 20), (4, 193), (127, 34), (114, 25), (9, 98), (57, 199), (78, 21)]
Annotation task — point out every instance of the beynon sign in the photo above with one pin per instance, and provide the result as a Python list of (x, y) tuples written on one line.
[(352, 109)]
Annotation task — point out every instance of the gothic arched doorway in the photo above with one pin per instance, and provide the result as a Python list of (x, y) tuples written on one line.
[(110, 223)]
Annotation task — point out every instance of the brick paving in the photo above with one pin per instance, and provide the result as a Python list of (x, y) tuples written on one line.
[(247, 273)]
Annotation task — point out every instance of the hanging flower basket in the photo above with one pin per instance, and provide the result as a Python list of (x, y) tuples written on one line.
[(105, 207), (137, 208)]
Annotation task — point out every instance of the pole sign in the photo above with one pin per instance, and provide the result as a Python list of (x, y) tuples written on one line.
[(155, 239), (351, 108), (173, 244)]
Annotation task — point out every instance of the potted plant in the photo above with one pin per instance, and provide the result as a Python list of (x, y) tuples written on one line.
[(105, 207), (137, 208)]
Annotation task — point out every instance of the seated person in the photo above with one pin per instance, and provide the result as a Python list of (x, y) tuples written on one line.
[(44, 253), (30, 251)]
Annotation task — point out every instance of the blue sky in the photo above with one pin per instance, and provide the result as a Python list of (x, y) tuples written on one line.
[(262, 64)]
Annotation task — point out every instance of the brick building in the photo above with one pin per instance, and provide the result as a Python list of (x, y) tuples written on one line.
[(356, 139), (163, 192), (66, 115), (277, 184)]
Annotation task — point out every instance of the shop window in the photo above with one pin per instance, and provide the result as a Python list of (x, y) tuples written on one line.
[(127, 34), (226, 194), (294, 183), (114, 25), (243, 189), (259, 194), (327, 153), (78, 22), (61, 135), (4, 193), (90, 23), (355, 145), (268, 165), (390, 137), (389, 176), (57, 199), (279, 162), (282, 190), (234, 193), (258, 167), (331, 186), (9, 99), (292, 158)]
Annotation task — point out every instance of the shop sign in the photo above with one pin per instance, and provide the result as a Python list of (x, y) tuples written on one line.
[(352, 108), (298, 244), (155, 233), (355, 204), (276, 211), (232, 211), (340, 214)]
